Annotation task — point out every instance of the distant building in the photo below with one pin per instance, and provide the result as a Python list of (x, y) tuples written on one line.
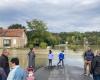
[(12, 38)]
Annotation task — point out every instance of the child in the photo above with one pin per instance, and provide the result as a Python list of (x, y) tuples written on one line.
[(30, 74)]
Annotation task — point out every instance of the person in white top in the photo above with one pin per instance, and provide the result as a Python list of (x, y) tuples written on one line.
[(50, 58)]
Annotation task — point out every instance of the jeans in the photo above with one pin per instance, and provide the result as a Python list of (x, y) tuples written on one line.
[(61, 60), (50, 62), (96, 77)]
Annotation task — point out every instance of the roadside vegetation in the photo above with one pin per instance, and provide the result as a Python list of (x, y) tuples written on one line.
[(39, 36)]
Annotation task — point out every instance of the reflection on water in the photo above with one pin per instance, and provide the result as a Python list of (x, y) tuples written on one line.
[(41, 59), (71, 58), (74, 58)]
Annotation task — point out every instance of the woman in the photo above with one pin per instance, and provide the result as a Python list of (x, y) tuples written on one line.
[(95, 69), (31, 58)]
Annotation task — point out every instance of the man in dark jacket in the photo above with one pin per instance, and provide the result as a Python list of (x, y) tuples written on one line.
[(95, 69), (31, 58), (4, 63), (88, 57)]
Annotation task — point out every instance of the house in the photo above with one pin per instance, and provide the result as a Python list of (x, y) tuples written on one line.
[(12, 38)]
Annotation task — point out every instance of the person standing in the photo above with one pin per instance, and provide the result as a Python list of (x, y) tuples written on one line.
[(61, 58), (95, 67), (50, 58), (4, 63), (88, 57), (16, 73), (31, 58)]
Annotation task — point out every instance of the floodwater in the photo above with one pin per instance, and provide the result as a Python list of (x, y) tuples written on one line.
[(41, 56), (71, 58), (74, 58)]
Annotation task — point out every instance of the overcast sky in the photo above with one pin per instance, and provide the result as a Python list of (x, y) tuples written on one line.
[(59, 15)]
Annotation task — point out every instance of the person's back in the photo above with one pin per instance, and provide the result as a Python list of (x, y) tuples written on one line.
[(61, 56)]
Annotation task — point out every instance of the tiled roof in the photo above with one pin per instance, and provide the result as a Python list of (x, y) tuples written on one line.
[(11, 32)]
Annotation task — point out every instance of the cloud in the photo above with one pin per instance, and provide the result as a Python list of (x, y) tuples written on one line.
[(60, 15)]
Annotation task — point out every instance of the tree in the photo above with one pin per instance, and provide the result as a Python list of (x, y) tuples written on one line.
[(37, 25), (16, 26), (39, 31)]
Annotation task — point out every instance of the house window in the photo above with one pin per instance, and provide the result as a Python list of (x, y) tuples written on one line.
[(14, 41), (7, 42)]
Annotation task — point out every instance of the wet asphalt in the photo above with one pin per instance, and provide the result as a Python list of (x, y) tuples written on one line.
[(73, 70), (66, 73)]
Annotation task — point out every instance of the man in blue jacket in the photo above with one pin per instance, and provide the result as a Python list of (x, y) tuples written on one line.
[(61, 58), (88, 57)]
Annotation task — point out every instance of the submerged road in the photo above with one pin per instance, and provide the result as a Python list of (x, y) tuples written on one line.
[(73, 70)]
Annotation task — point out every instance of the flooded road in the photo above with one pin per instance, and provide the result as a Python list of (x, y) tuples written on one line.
[(73, 69), (41, 56), (74, 58), (73, 64), (71, 58)]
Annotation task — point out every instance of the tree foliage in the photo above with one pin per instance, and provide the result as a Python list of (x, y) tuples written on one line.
[(16, 26), (39, 33), (37, 25)]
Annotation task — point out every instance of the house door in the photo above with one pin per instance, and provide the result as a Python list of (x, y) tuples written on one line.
[(7, 43)]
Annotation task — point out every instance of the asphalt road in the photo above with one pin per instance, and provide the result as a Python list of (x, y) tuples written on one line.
[(73, 70), (67, 73)]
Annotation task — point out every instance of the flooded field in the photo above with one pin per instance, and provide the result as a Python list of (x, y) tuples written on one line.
[(71, 57), (41, 56)]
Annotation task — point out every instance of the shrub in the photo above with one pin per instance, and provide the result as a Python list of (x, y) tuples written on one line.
[(73, 47), (43, 45)]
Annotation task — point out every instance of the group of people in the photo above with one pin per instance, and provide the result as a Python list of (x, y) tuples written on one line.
[(15, 72), (60, 57), (11, 70), (93, 61)]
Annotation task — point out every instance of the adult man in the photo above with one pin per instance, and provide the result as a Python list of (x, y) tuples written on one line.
[(88, 57), (4, 63), (61, 58), (16, 73)]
